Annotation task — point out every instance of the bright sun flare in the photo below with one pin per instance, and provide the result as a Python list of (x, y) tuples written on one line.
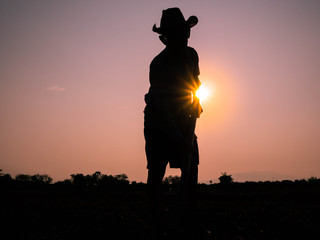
[(202, 93)]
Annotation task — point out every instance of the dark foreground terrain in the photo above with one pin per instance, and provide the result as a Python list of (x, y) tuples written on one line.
[(265, 210)]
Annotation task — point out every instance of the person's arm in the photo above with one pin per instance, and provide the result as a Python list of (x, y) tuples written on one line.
[(196, 107)]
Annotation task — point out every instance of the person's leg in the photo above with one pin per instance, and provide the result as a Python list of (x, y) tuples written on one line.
[(187, 197), (156, 167), (188, 186), (192, 183), (154, 183)]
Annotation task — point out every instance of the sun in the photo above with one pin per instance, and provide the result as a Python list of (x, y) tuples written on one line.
[(202, 93)]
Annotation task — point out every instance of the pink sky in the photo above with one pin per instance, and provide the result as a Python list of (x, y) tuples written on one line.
[(73, 75)]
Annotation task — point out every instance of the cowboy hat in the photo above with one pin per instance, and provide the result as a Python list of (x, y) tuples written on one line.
[(172, 19)]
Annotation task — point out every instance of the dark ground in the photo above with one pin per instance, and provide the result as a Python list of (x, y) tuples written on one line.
[(269, 210)]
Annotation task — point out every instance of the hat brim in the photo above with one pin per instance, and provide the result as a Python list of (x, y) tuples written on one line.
[(191, 22)]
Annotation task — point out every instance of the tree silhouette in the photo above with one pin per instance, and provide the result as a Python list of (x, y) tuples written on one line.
[(98, 179), (34, 179), (313, 180), (121, 177), (44, 178), (171, 180), (78, 180), (225, 178), (24, 178), (5, 178)]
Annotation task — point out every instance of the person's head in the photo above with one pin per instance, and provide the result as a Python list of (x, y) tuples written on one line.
[(174, 30)]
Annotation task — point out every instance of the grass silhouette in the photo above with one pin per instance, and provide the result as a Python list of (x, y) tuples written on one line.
[(116, 209)]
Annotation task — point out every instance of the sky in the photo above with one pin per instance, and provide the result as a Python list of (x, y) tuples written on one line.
[(73, 75)]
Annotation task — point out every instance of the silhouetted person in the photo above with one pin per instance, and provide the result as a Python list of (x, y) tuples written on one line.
[(171, 110)]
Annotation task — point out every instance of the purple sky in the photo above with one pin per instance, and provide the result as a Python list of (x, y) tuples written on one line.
[(73, 75)]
